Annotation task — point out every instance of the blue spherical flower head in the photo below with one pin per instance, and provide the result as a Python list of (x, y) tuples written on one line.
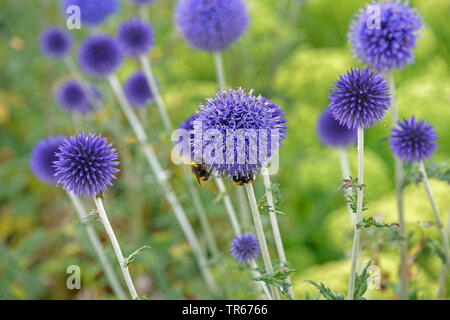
[(93, 12), (141, 2), (333, 134), (137, 90), (413, 140), (211, 24), (241, 132), (245, 248), (360, 99), (70, 96), (85, 165), (135, 37), (55, 42), (389, 44), (99, 55), (43, 156)]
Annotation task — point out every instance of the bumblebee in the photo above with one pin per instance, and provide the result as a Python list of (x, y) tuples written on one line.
[(240, 180), (200, 172)]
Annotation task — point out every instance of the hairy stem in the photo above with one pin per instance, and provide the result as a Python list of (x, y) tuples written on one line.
[(165, 185), (218, 61), (274, 223), (437, 216), (359, 207), (116, 247), (345, 172), (145, 62), (398, 177), (98, 248), (260, 234)]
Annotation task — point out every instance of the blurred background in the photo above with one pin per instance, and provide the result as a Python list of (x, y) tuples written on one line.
[(292, 52)]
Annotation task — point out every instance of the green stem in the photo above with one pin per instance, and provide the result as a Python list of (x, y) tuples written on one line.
[(437, 216), (398, 177), (116, 247), (274, 224), (359, 207), (260, 234), (98, 248), (218, 60)]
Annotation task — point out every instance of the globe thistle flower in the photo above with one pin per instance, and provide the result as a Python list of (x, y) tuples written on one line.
[(137, 90), (390, 45), (211, 24), (99, 55), (93, 12), (360, 99), (333, 134), (238, 115), (135, 37), (141, 2), (85, 165), (43, 156), (245, 248), (413, 140), (55, 42), (70, 96)]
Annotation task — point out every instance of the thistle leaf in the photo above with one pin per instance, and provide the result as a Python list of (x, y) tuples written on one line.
[(133, 256)]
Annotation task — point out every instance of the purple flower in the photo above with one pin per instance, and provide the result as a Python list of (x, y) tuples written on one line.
[(390, 44), (42, 157), (333, 134), (141, 2), (70, 96), (93, 12), (135, 37), (211, 24), (245, 248), (99, 55), (137, 89), (361, 98), (413, 140), (251, 129), (85, 165), (55, 42)]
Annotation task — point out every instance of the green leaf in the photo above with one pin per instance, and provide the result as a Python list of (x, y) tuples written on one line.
[(133, 256), (361, 282), (367, 222), (326, 292)]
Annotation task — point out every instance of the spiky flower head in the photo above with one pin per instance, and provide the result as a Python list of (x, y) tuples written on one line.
[(135, 36), (241, 132), (86, 165), (332, 133), (43, 156), (55, 42), (71, 96), (93, 12), (99, 55), (245, 248), (141, 2), (211, 24), (388, 42), (413, 140), (137, 90), (360, 99)]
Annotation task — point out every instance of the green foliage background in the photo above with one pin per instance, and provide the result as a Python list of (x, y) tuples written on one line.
[(291, 59)]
